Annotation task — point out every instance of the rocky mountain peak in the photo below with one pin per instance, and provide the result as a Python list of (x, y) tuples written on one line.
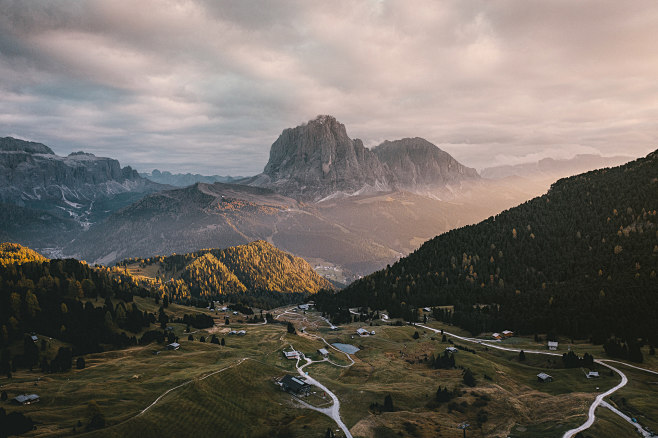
[(317, 159), (10, 144), (417, 162)]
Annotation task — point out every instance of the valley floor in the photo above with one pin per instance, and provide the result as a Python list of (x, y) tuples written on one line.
[(205, 389)]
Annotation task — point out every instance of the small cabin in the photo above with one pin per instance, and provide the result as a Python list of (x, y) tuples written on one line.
[(362, 332), (25, 399), (451, 350), (544, 378), (592, 374), (496, 336), (323, 352), (552, 345), (34, 338), (427, 309), (295, 385), (291, 354), (303, 306), (173, 346), (508, 333)]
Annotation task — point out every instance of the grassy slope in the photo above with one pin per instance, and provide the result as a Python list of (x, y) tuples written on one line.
[(244, 401)]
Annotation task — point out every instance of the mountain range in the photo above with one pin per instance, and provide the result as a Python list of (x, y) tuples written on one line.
[(318, 160), (186, 179), (347, 209), (48, 199)]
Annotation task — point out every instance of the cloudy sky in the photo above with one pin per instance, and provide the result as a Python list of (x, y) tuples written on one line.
[(207, 86)]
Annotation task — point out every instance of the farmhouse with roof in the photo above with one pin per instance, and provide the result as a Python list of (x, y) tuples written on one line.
[(362, 332), (543, 377), (292, 354), (295, 385)]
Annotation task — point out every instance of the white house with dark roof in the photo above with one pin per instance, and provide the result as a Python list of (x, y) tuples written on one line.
[(552, 345)]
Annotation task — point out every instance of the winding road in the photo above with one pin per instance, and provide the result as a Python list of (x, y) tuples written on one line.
[(599, 399), (332, 411)]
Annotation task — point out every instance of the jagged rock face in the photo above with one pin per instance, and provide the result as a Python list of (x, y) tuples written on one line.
[(8, 144), (60, 196), (418, 163), (31, 171), (317, 159)]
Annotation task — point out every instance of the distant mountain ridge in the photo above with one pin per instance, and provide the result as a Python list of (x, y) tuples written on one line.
[(186, 179), (318, 159), (69, 192), (555, 168)]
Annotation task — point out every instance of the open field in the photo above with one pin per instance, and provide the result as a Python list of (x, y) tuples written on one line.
[(230, 390)]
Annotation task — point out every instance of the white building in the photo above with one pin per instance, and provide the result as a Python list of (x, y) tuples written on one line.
[(552, 345), (291, 354), (362, 332), (323, 352)]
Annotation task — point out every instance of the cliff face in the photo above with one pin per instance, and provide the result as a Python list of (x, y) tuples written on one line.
[(32, 172), (418, 163), (48, 198), (318, 160)]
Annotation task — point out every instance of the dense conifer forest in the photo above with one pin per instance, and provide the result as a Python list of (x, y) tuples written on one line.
[(580, 260), (53, 298)]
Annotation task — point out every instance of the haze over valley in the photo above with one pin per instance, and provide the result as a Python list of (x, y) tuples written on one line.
[(367, 219)]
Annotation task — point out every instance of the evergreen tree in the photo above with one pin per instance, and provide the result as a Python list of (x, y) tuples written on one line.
[(469, 379), (521, 356), (388, 403)]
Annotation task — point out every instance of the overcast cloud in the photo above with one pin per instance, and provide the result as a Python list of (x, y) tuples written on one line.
[(208, 86)]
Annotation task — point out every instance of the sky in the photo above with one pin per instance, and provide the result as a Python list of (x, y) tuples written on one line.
[(207, 86)]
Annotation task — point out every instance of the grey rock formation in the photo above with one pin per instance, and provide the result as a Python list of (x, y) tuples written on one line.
[(32, 172), (317, 160), (49, 190), (417, 163)]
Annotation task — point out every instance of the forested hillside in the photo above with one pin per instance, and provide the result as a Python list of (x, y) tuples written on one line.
[(15, 253), (256, 268), (580, 260), (50, 297)]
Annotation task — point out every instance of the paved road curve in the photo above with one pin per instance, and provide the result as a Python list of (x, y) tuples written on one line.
[(334, 410), (593, 406)]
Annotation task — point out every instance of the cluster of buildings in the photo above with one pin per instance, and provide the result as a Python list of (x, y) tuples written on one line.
[(503, 335), (237, 332)]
